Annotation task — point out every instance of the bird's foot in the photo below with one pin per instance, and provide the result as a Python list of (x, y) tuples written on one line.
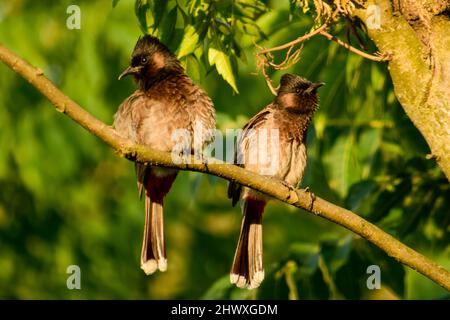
[(292, 197), (130, 154), (201, 159), (180, 156), (312, 198)]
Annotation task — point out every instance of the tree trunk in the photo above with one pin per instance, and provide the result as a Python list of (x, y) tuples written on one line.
[(416, 36)]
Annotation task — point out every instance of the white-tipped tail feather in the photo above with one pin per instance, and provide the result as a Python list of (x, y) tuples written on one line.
[(242, 282), (150, 266), (153, 254), (162, 265), (248, 269), (234, 278)]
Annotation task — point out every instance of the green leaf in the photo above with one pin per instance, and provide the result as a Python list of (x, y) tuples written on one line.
[(306, 255), (368, 144), (140, 9), (353, 70), (167, 26), (192, 67), (189, 42), (186, 17), (114, 3), (336, 254), (344, 166), (219, 290), (377, 78), (390, 198), (159, 12), (223, 66), (359, 194), (273, 21)]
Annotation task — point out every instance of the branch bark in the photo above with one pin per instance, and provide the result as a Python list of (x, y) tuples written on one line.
[(269, 186)]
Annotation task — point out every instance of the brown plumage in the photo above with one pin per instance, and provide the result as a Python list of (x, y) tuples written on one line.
[(272, 143), (166, 101)]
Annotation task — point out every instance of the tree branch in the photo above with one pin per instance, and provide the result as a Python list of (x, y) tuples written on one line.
[(269, 186), (294, 42), (376, 58)]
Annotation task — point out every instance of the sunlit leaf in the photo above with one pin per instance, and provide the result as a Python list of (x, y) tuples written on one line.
[(223, 66), (193, 69), (189, 42)]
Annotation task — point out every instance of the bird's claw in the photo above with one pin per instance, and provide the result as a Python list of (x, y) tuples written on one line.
[(182, 157), (292, 197), (312, 198), (131, 155), (199, 157)]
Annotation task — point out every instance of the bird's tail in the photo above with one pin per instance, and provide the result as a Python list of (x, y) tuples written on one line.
[(153, 253), (248, 270)]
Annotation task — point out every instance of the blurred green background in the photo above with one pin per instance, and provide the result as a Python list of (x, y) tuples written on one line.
[(65, 198)]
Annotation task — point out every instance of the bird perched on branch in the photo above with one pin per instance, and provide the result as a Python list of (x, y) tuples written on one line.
[(272, 143), (166, 104)]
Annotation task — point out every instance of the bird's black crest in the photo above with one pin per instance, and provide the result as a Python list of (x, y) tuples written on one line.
[(290, 81), (150, 43)]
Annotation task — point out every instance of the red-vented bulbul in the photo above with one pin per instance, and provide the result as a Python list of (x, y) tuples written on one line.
[(167, 100), (272, 143)]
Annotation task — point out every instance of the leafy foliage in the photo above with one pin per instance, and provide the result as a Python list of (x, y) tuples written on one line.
[(66, 199), (206, 33)]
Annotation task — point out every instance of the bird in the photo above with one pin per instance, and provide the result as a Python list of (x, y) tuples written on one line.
[(165, 103), (272, 143)]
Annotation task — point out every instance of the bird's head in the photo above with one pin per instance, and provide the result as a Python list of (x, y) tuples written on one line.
[(298, 93), (149, 59)]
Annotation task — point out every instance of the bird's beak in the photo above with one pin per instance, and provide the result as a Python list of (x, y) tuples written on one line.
[(130, 70), (314, 86)]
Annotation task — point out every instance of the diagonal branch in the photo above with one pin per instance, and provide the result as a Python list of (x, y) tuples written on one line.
[(269, 186), (376, 58), (294, 42)]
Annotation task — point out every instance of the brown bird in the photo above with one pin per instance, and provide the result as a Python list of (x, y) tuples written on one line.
[(166, 102), (272, 143)]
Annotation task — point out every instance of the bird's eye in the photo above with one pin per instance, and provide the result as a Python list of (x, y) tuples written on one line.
[(297, 90), (144, 60)]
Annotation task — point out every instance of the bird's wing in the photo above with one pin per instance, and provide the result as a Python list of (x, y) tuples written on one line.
[(257, 120), (234, 189), (202, 113), (124, 117)]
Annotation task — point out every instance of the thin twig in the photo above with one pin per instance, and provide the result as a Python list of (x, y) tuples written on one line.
[(353, 49), (263, 61), (272, 187), (269, 81), (294, 42)]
